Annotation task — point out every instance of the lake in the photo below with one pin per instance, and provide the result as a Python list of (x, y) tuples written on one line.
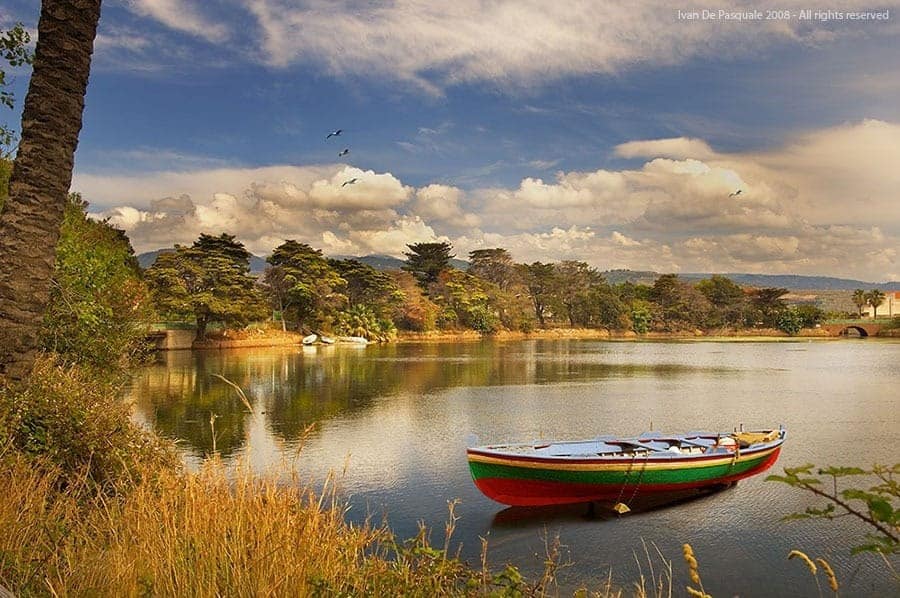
[(393, 421)]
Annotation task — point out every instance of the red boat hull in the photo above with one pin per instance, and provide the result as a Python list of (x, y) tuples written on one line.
[(527, 492)]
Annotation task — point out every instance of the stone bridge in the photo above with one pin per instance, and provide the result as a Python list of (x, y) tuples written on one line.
[(167, 340), (848, 328)]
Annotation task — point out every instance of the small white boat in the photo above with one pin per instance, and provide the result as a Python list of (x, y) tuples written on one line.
[(354, 340), (310, 340), (326, 340)]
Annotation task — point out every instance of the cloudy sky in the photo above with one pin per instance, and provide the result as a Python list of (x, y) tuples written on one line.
[(565, 130)]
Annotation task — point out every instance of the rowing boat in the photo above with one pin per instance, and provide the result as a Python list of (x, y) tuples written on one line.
[(611, 468)]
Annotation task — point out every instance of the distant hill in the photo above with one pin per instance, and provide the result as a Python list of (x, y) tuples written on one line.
[(387, 262), (258, 264), (632, 276), (146, 259), (788, 281), (794, 281)]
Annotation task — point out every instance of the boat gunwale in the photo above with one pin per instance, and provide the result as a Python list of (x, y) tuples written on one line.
[(624, 458)]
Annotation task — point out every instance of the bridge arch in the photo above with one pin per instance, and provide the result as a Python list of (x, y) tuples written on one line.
[(862, 332)]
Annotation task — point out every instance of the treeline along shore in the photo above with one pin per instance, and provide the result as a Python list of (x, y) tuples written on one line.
[(103, 304), (303, 291)]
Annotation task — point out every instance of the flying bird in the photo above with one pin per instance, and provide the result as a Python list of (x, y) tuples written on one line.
[(344, 152), (350, 182), (334, 133), (736, 193)]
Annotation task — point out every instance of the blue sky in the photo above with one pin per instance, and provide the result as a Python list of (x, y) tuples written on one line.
[(508, 123)]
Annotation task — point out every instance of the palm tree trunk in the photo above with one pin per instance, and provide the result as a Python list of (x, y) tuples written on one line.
[(42, 173)]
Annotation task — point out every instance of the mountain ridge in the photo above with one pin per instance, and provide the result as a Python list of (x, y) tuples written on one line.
[(788, 281)]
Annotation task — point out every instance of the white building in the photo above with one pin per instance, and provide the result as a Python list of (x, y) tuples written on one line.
[(889, 308)]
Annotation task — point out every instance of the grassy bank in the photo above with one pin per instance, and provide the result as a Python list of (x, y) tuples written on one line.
[(177, 534), (94, 506)]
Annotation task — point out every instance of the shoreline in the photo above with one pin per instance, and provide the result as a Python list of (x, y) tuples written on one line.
[(273, 338), (614, 335)]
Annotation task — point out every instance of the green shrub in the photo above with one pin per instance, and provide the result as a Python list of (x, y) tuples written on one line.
[(99, 307), (65, 418), (641, 316), (789, 321), (482, 319)]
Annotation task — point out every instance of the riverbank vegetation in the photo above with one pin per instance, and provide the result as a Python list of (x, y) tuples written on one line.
[(94, 505), (303, 290)]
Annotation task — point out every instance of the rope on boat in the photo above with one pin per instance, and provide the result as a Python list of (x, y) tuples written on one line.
[(640, 478), (622, 507), (625, 481)]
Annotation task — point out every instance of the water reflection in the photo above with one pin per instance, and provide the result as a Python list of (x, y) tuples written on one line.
[(399, 415), (292, 388), (539, 517)]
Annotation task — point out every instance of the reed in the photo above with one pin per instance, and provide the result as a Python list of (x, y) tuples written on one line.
[(92, 505), (219, 532)]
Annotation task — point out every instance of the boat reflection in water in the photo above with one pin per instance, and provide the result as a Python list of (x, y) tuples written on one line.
[(519, 517)]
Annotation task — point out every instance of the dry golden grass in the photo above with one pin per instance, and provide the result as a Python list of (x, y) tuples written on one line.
[(91, 505), (210, 534), (175, 535)]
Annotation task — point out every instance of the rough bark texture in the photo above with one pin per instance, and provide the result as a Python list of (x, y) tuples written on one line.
[(42, 173)]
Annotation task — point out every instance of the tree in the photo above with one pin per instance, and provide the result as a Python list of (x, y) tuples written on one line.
[(39, 185), (416, 311), (629, 292), (641, 316), (727, 298), (607, 309), (767, 303), (364, 285), (303, 284), (427, 260), (574, 281), (860, 301), (680, 304), (809, 315), (5, 171), (788, 320), (494, 265), (361, 320), (371, 298), (873, 496), (99, 306), (14, 51), (540, 280), (874, 298), (465, 301), (209, 281)]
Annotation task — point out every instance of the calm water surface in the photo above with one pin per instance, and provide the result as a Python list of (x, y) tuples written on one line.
[(393, 423)]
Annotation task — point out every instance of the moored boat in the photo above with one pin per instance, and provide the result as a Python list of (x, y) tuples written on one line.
[(310, 340), (619, 469)]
